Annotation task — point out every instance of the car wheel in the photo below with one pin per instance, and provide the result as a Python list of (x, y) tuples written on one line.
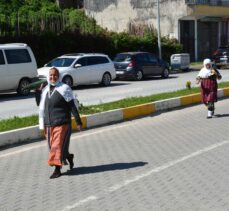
[(21, 90), (68, 80), (106, 80), (139, 75), (218, 66), (165, 73)]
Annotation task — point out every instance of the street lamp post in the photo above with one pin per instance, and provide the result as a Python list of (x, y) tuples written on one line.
[(158, 29)]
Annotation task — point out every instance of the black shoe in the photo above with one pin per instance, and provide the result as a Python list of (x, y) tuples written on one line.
[(209, 117), (70, 160), (56, 173)]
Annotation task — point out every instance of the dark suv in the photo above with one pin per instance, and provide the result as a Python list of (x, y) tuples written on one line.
[(221, 57), (137, 65)]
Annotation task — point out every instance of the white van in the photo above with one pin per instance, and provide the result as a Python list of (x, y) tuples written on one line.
[(17, 67)]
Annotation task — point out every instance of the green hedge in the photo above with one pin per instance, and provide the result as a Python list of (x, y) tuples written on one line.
[(51, 32), (49, 45)]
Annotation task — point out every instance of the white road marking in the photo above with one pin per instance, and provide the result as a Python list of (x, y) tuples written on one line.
[(88, 199), (141, 176)]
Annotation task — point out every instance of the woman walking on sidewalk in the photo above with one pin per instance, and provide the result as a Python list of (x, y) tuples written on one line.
[(207, 77), (56, 104)]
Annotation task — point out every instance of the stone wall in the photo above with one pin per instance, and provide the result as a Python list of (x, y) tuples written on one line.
[(118, 15)]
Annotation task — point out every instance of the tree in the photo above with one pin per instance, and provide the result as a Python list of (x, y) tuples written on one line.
[(16, 4)]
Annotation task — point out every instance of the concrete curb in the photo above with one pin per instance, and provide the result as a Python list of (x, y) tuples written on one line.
[(108, 117)]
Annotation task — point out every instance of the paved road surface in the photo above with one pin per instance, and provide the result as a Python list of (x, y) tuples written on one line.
[(177, 160)]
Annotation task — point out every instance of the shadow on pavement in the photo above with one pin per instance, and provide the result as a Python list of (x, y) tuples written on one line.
[(14, 96), (221, 115), (103, 168)]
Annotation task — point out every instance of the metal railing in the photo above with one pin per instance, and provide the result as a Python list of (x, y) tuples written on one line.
[(223, 3)]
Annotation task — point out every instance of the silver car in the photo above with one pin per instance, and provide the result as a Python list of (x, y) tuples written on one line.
[(82, 69)]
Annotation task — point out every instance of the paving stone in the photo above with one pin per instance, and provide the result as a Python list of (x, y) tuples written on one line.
[(143, 164)]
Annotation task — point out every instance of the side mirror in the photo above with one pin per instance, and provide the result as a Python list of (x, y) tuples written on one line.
[(77, 65)]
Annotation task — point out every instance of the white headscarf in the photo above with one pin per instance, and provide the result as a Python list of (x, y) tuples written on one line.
[(205, 72), (60, 87)]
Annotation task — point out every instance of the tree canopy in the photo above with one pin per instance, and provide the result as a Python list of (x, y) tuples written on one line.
[(9, 6)]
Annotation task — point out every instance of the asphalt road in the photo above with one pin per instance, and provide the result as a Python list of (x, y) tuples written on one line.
[(13, 105), (174, 161)]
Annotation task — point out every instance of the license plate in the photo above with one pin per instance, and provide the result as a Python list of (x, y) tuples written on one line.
[(119, 72), (223, 59)]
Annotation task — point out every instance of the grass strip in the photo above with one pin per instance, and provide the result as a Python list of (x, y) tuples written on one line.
[(20, 122)]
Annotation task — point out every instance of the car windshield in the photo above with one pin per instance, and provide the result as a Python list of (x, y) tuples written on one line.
[(122, 58), (61, 62), (223, 49)]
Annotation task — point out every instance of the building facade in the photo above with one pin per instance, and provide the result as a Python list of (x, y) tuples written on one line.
[(200, 25)]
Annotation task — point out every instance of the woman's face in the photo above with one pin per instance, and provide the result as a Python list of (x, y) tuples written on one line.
[(53, 76), (208, 66)]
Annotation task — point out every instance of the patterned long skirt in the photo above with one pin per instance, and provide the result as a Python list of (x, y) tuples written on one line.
[(209, 90), (58, 140)]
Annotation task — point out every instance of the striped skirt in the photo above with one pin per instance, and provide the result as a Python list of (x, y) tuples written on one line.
[(58, 141), (208, 90)]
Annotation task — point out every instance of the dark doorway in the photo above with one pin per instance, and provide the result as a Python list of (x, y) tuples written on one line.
[(207, 38), (224, 35), (187, 37)]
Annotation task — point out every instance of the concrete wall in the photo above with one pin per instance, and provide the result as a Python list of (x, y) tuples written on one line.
[(117, 15)]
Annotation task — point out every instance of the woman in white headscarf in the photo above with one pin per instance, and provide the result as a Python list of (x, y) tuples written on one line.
[(55, 108), (207, 77)]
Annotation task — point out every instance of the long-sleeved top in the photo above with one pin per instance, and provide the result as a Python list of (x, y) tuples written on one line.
[(57, 111)]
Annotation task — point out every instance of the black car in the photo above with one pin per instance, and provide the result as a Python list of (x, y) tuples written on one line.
[(221, 57), (136, 65)]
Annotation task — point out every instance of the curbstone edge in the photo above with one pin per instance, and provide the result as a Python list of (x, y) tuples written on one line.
[(103, 118)]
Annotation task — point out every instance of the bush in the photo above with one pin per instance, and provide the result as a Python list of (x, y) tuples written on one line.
[(51, 32)]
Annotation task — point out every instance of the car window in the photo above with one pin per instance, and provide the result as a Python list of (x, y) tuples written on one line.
[(15, 56), (224, 50), (122, 58), (142, 58), (92, 60), (152, 58), (61, 62), (96, 60), (101, 60), (82, 61), (2, 61)]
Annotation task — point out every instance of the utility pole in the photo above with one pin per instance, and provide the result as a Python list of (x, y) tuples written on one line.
[(158, 29), (18, 24)]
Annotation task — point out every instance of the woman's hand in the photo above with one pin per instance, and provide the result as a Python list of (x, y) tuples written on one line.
[(198, 79), (79, 127), (43, 85)]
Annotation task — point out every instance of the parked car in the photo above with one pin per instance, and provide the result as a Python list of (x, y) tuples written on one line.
[(221, 57), (82, 69), (137, 65), (18, 67)]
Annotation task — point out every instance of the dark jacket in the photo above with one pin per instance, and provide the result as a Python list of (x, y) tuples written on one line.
[(58, 111)]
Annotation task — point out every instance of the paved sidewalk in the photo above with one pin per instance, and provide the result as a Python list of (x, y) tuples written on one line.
[(175, 161)]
